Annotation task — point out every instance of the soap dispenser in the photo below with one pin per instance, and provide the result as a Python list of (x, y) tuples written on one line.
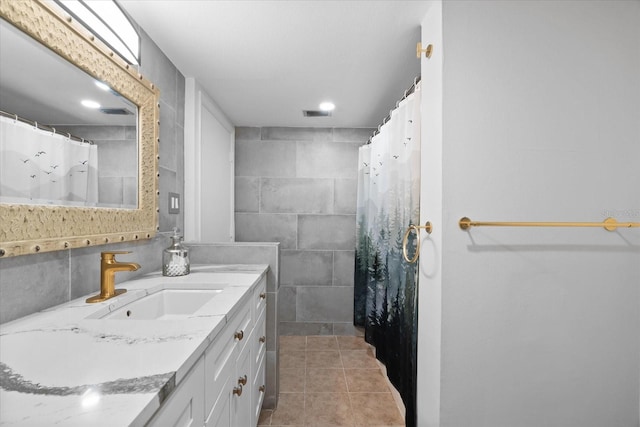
[(175, 259)]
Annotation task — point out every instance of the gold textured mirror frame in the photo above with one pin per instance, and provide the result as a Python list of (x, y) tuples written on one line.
[(29, 229)]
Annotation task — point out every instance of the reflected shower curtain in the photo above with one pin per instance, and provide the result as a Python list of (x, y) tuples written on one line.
[(41, 167), (385, 293)]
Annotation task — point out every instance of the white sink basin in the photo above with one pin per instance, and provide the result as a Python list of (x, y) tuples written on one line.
[(165, 304)]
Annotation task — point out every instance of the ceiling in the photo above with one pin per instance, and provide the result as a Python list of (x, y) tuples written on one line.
[(264, 62)]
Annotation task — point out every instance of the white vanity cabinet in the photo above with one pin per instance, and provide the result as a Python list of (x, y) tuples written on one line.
[(185, 406), (226, 386), (231, 369), (223, 369)]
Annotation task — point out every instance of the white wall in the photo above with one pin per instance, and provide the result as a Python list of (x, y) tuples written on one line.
[(209, 169), (216, 177), (541, 122), (430, 282)]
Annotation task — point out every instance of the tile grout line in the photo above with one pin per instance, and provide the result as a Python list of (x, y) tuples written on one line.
[(304, 389), (346, 383)]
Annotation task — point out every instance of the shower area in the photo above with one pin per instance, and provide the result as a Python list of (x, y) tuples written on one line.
[(49, 165), (385, 277), (41, 166)]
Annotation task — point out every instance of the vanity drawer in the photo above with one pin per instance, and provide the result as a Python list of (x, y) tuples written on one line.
[(259, 355), (220, 357), (259, 338), (220, 415), (258, 390), (185, 405), (260, 297)]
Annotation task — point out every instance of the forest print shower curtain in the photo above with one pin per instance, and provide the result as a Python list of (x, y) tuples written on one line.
[(385, 294)]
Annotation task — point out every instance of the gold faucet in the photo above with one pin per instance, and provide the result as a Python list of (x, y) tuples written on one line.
[(108, 268)]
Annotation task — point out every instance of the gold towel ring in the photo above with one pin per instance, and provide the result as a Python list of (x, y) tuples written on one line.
[(428, 227)]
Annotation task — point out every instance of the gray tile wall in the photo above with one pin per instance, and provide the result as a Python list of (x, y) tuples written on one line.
[(297, 186), (31, 283)]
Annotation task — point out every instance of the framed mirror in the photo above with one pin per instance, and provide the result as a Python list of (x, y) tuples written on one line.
[(92, 194)]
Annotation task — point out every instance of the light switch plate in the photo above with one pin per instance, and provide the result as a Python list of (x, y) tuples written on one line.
[(174, 203)]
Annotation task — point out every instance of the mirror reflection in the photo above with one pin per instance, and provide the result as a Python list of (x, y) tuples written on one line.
[(55, 150)]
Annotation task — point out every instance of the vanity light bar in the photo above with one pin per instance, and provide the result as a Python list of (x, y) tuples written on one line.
[(109, 23)]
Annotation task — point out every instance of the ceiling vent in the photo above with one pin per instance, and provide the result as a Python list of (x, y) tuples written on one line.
[(316, 113), (116, 111)]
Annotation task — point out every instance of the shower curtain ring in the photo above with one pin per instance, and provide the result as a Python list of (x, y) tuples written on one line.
[(428, 227)]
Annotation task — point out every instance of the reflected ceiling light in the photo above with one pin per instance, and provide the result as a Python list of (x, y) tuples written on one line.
[(327, 106), (90, 398), (90, 104), (103, 86)]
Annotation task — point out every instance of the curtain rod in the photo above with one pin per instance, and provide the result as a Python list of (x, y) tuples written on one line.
[(407, 92), (44, 127)]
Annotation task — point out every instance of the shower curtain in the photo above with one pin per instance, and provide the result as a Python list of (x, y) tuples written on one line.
[(41, 167), (385, 293)]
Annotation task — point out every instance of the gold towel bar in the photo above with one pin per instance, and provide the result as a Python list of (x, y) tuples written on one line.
[(609, 224), (428, 227)]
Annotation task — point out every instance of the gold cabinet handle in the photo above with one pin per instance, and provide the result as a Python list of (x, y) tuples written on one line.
[(239, 335), (238, 390), (242, 380), (262, 339), (263, 295), (428, 227), (262, 388)]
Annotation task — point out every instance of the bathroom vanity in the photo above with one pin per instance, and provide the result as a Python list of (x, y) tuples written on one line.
[(171, 351)]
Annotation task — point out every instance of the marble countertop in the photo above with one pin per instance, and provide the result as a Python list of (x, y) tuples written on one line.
[(64, 366)]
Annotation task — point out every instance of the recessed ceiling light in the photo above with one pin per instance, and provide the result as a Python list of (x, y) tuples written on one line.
[(327, 106), (90, 104)]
